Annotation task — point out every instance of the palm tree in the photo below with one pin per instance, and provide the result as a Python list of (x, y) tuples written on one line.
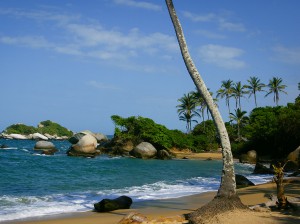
[(199, 102), (226, 197), (254, 86), (226, 91), (238, 91), (187, 110), (275, 87), (240, 119)]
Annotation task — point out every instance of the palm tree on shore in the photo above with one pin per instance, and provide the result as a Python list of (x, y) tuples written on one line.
[(238, 91), (240, 119), (226, 91), (275, 87), (187, 110), (226, 198), (254, 86)]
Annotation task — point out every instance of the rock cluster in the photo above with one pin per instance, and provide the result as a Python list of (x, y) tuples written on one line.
[(34, 136)]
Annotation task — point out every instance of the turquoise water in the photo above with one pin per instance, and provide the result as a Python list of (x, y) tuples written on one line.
[(41, 185)]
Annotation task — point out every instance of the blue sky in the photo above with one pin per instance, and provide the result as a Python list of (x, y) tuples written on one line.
[(79, 62)]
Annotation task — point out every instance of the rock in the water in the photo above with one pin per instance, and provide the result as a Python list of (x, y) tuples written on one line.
[(47, 148), (163, 154), (38, 136), (107, 205), (17, 136), (261, 169), (144, 150), (85, 147), (242, 181)]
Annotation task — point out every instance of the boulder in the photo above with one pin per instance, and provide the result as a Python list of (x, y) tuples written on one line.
[(86, 147), (261, 169), (250, 157), (47, 148), (294, 157), (39, 136), (107, 205), (163, 154), (17, 136), (242, 181), (76, 137), (144, 150)]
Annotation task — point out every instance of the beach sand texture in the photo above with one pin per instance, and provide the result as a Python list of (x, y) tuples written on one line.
[(157, 209)]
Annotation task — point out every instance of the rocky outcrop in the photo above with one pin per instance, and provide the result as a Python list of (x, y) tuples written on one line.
[(242, 181), (47, 148), (107, 205), (16, 136), (144, 150), (85, 146), (163, 155), (261, 169), (38, 136), (250, 157), (294, 157)]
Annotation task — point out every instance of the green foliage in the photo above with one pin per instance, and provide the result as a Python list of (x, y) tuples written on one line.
[(138, 129), (274, 131), (45, 127), (53, 128), (20, 129)]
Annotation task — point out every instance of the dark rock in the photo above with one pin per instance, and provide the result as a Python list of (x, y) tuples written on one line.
[(261, 169), (242, 181), (3, 146), (107, 205), (295, 174), (294, 157), (163, 154)]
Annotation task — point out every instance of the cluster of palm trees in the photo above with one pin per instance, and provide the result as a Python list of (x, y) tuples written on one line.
[(192, 105)]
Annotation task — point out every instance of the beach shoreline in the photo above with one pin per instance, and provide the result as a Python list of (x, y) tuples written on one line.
[(178, 206)]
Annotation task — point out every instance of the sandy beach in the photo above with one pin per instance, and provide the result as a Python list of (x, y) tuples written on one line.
[(175, 207)]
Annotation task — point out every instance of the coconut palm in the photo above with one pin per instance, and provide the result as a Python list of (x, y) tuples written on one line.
[(275, 87), (238, 91), (226, 197), (254, 86), (226, 91), (187, 110), (240, 119)]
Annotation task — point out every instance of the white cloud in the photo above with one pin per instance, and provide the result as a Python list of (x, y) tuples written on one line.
[(101, 85), (139, 4), (199, 18), (221, 20), (222, 56), (287, 55)]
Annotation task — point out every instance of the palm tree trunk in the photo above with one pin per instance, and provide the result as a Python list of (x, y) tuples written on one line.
[(227, 187), (255, 99)]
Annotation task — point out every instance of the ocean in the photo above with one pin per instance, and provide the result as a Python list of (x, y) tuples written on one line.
[(33, 185)]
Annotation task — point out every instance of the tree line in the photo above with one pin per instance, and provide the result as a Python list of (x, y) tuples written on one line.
[(192, 105)]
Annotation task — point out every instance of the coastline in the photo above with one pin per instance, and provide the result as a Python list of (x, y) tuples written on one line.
[(178, 206)]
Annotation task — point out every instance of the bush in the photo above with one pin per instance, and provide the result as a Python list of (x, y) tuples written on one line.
[(20, 129), (53, 128)]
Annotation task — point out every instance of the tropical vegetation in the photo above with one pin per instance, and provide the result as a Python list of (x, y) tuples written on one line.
[(44, 127)]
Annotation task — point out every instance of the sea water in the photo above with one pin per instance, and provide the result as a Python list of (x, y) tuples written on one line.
[(33, 185)]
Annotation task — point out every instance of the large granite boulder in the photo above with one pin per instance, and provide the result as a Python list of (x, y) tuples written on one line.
[(294, 157), (38, 136), (16, 136), (163, 155), (242, 181), (250, 157), (107, 205), (47, 148), (86, 147), (98, 136), (144, 150)]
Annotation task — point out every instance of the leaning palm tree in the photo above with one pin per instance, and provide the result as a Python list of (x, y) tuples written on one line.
[(238, 91), (187, 109), (275, 87), (226, 91), (240, 119), (226, 198), (254, 86)]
